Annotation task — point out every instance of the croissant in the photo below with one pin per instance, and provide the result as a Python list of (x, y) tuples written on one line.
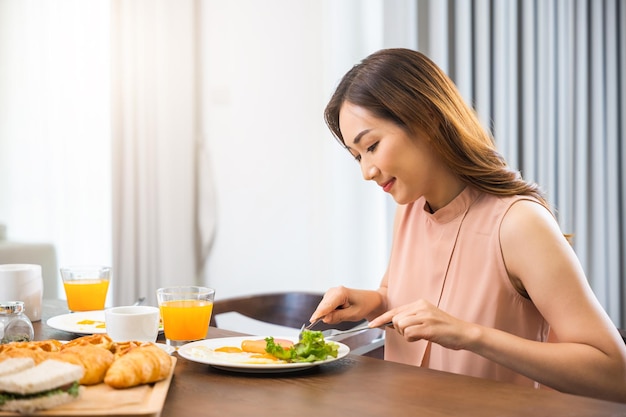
[(95, 360), (142, 365)]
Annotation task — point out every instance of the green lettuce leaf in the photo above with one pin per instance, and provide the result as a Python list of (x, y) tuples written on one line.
[(312, 347), (73, 390)]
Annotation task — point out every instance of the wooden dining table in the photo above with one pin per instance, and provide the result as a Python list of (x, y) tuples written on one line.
[(352, 386)]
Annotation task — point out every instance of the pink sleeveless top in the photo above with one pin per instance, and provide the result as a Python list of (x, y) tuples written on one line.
[(452, 259)]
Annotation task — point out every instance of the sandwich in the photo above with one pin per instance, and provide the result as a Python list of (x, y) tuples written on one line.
[(14, 365), (26, 387)]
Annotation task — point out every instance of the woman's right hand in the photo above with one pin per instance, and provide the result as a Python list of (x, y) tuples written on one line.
[(346, 304)]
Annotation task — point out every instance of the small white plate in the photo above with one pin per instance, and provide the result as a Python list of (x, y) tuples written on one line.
[(167, 348), (81, 322), (206, 355)]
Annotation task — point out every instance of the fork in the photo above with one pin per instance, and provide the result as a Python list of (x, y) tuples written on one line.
[(305, 327)]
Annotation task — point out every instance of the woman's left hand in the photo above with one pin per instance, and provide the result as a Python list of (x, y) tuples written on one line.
[(422, 320)]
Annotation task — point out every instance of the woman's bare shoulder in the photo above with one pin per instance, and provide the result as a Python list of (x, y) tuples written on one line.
[(532, 244)]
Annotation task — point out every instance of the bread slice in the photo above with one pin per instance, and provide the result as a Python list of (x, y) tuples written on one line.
[(47, 375), (14, 365)]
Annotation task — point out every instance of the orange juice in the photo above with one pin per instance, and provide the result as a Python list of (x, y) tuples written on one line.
[(186, 319), (86, 294)]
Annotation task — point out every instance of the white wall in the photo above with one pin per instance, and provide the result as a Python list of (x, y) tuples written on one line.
[(293, 210)]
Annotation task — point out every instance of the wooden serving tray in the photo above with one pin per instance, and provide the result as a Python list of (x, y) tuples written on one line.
[(102, 400)]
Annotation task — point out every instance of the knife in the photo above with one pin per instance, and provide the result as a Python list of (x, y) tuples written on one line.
[(334, 332)]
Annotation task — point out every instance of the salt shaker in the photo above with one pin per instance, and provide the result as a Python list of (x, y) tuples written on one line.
[(15, 326)]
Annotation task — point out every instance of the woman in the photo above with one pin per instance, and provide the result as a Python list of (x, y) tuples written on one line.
[(480, 275)]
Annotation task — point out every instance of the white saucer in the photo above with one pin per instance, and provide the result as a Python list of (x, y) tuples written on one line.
[(167, 348)]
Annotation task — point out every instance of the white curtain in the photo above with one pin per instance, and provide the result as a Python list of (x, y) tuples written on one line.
[(547, 76), (161, 208), (55, 129)]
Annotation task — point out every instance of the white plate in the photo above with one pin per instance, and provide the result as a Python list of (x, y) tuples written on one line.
[(72, 322), (81, 322), (167, 348), (205, 355)]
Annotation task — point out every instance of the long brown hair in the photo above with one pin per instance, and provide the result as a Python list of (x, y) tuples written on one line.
[(406, 87)]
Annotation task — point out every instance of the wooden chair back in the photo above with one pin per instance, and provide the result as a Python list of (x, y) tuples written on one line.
[(290, 309)]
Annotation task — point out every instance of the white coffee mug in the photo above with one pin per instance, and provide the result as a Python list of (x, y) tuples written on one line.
[(23, 282), (128, 323)]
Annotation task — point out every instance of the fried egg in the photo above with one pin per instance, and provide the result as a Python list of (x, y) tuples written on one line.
[(232, 354), (96, 323)]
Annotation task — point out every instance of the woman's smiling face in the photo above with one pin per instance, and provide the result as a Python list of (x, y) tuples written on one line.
[(404, 166)]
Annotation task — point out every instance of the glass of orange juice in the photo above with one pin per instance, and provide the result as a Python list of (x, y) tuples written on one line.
[(86, 286), (186, 313)]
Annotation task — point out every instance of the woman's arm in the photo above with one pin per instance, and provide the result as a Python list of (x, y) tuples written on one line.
[(590, 356)]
